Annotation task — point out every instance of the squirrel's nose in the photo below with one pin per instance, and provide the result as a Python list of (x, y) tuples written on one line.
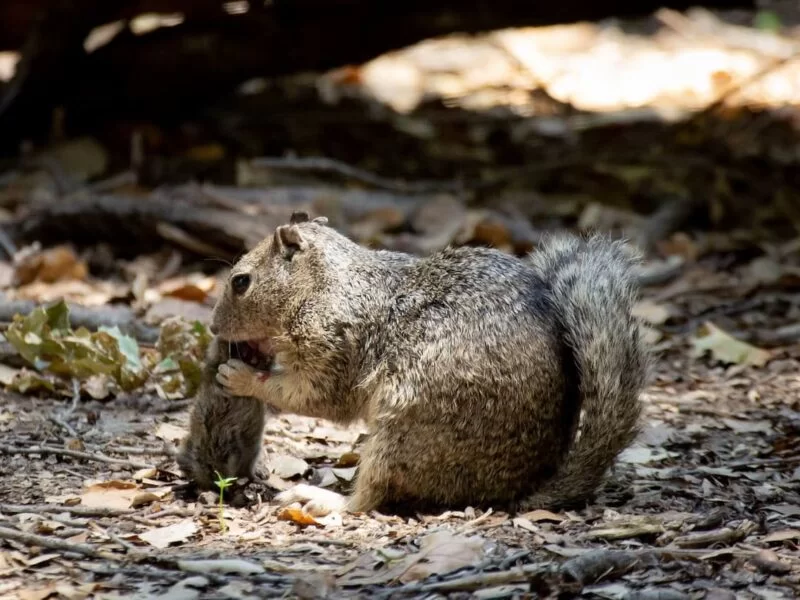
[(240, 283)]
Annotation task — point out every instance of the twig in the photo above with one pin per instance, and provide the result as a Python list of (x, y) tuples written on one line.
[(31, 539), (83, 511), (726, 535), (64, 425), (471, 525), (11, 450), (477, 581), (163, 451), (334, 166)]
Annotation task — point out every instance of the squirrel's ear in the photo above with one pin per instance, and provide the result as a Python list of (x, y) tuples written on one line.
[(299, 216), (320, 220), (289, 240)]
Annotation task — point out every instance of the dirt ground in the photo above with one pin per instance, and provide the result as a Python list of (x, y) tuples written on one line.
[(705, 505)]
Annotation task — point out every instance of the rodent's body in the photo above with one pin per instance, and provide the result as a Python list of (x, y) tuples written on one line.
[(466, 365), (225, 433)]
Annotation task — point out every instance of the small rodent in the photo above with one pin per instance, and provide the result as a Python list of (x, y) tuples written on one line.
[(470, 367), (225, 433)]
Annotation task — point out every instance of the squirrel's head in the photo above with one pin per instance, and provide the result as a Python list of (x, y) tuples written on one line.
[(281, 278)]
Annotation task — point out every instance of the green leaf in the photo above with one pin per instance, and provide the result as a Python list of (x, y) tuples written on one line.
[(58, 317), (30, 381), (167, 365), (127, 345), (767, 20)]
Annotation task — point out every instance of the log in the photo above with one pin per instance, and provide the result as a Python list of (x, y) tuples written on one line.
[(173, 71)]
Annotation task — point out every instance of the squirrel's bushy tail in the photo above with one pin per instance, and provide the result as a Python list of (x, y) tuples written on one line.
[(593, 287)]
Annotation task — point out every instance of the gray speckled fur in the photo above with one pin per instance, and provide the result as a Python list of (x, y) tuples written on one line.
[(225, 433), (469, 366)]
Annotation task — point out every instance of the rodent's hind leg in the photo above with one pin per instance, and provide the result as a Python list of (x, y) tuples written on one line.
[(316, 501), (369, 493)]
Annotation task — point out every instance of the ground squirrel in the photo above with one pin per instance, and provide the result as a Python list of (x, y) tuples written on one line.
[(225, 433), (469, 366)]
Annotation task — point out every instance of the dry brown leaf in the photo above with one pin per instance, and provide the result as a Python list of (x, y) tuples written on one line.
[(50, 265), (348, 459), (76, 592), (525, 524), (170, 432), (144, 499), (297, 516), (782, 536), (191, 289), (38, 593), (543, 515), (652, 312), (161, 537), (110, 494), (727, 349), (440, 552)]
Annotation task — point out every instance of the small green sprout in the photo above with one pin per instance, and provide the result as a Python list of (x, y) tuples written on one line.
[(223, 483)]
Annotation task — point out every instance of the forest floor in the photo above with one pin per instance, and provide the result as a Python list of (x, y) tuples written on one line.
[(705, 504)]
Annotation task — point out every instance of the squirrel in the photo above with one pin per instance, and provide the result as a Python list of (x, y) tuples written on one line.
[(470, 367), (225, 433)]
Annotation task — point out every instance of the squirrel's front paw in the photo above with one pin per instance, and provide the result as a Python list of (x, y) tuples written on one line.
[(238, 378), (317, 502)]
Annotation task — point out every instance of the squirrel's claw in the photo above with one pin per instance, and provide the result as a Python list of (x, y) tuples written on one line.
[(238, 378), (317, 502)]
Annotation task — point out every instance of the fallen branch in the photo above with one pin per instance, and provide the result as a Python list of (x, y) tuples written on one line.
[(11, 450), (725, 535), (81, 316), (82, 511), (43, 541), (341, 168), (592, 566)]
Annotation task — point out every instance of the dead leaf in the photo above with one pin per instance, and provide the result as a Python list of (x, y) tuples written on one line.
[(110, 494), (144, 499), (297, 516), (169, 432), (191, 288), (288, 467), (148, 473), (543, 515), (748, 426), (782, 536), (345, 474), (525, 524), (231, 566), (49, 265), (652, 312), (38, 593), (727, 349), (161, 537), (8, 374), (348, 459), (440, 552)]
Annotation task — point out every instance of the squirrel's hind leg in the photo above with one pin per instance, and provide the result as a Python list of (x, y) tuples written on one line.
[(369, 493)]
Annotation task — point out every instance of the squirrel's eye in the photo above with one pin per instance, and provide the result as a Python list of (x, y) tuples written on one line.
[(240, 283)]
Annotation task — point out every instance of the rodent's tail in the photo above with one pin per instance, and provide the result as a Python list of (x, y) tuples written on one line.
[(593, 288)]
